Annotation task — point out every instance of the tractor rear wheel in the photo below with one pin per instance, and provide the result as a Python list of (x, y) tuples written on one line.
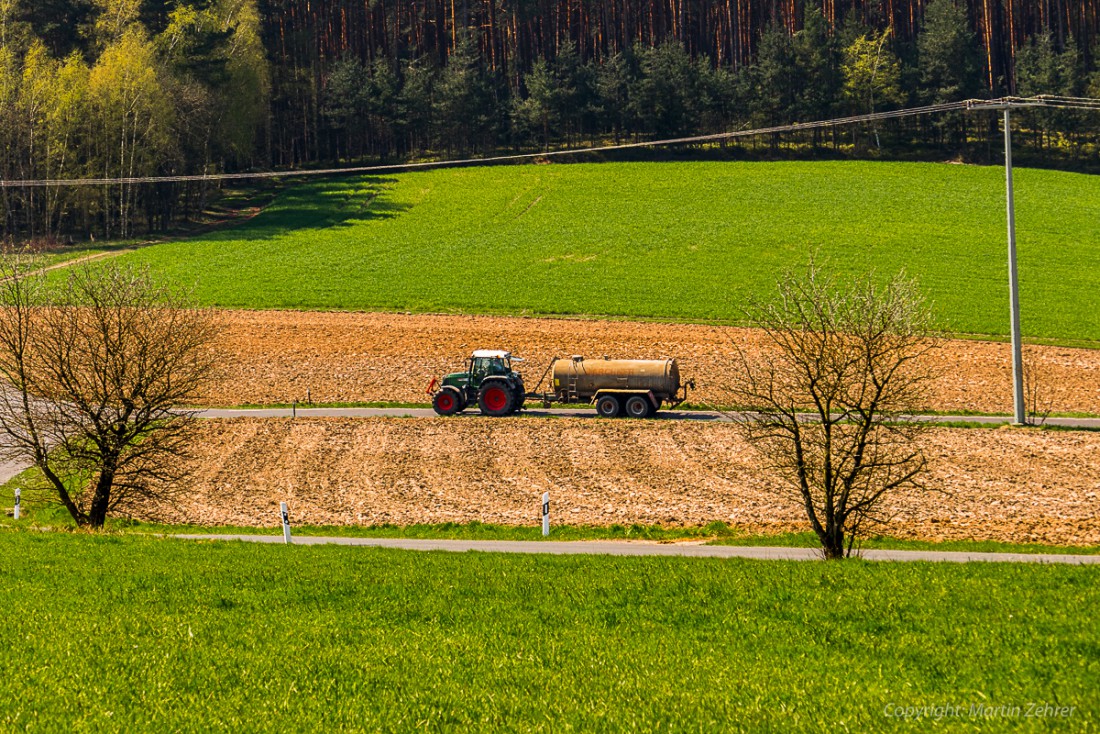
[(447, 401), (495, 398), (638, 406), (608, 406)]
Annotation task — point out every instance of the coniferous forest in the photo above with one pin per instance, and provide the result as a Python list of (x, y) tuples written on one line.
[(139, 88)]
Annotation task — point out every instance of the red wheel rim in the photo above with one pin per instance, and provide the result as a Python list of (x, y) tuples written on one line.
[(495, 399), (446, 402)]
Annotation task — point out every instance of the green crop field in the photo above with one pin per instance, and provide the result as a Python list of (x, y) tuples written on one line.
[(681, 241), (122, 633)]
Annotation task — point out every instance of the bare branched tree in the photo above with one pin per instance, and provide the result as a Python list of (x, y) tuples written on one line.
[(94, 371), (1037, 379), (835, 397)]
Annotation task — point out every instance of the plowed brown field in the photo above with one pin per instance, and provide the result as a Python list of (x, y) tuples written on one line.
[(1011, 485), (277, 356)]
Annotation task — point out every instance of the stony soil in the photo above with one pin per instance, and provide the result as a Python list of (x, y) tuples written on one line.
[(1005, 484), (281, 356)]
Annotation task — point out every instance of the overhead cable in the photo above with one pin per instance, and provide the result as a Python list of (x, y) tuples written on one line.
[(1081, 103)]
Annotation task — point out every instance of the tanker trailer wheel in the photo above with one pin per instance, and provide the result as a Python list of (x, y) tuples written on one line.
[(495, 399), (608, 406), (638, 406), (447, 401)]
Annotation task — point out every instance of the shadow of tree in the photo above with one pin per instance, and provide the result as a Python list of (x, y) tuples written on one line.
[(316, 205)]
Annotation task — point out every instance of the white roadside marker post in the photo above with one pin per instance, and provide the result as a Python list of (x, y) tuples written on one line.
[(17, 498), (545, 514), (286, 522)]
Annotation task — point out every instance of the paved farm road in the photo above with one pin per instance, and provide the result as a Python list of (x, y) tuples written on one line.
[(638, 548), (685, 415)]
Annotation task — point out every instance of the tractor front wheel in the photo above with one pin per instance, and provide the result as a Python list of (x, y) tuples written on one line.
[(447, 401), (495, 399)]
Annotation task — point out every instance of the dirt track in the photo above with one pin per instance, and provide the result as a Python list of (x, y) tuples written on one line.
[(1012, 485), (276, 356)]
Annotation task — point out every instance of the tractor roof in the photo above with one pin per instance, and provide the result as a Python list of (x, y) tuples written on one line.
[(499, 353)]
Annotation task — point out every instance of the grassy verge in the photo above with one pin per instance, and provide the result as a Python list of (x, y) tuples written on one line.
[(42, 514), (880, 542), (139, 634)]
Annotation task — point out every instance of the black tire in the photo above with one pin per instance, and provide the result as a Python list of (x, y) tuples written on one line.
[(519, 398), (448, 401), (608, 406), (638, 406), (495, 398)]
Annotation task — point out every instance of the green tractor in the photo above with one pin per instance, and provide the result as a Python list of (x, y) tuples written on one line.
[(489, 380)]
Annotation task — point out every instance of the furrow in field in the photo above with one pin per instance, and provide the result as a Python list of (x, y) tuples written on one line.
[(1007, 485)]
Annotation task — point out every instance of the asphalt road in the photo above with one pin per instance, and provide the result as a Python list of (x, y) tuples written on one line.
[(10, 469), (613, 548), (683, 415)]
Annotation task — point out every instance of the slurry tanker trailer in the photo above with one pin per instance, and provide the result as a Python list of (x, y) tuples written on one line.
[(633, 387)]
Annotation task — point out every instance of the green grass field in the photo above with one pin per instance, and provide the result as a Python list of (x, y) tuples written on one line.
[(117, 633), (679, 241)]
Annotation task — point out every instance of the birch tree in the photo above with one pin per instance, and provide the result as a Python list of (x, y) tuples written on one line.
[(133, 118)]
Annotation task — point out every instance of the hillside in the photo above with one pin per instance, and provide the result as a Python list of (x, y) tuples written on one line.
[(668, 241)]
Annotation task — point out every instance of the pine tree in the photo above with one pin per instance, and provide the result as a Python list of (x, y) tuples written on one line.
[(947, 54), (414, 105), (462, 102), (664, 98), (345, 105), (1042, 69), (613, 82), (947, 64), (817, 61), (534, 115), (774, 79)]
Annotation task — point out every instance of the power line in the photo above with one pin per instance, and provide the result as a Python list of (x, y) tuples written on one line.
[(1051, 101)]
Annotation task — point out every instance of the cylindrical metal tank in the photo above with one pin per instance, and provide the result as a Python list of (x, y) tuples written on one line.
[(579, 378)]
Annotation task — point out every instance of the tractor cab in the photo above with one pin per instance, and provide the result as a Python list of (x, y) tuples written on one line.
[(489, 381), (485, 362)]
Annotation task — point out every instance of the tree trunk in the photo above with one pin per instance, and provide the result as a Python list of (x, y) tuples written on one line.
[(832, 540), (62, 492), (101, 500)]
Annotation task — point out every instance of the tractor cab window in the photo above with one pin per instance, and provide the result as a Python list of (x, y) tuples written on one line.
[(485, 366)]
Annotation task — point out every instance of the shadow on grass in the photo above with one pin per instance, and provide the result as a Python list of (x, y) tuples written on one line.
[(318, 205)]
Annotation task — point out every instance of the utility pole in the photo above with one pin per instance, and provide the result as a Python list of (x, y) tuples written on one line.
[(1019, 408)]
